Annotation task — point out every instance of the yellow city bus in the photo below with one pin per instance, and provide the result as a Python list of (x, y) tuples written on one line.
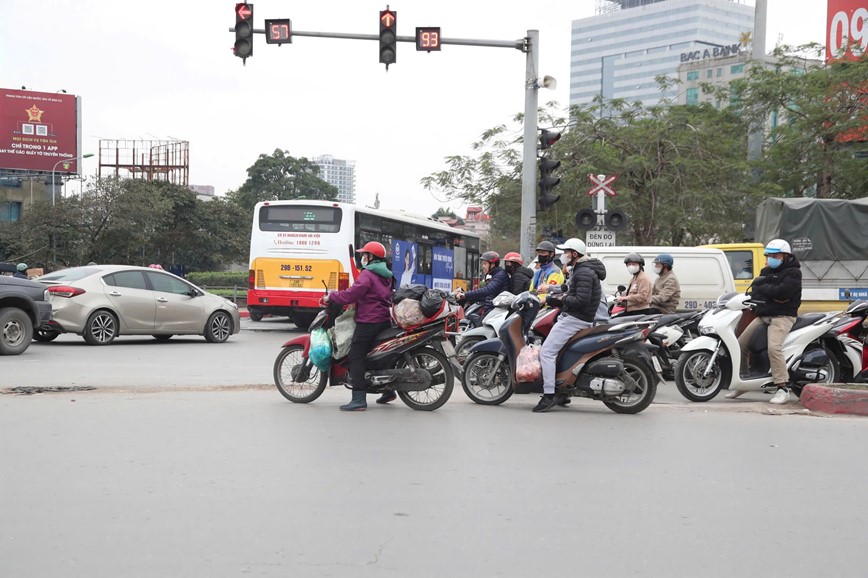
[(298, 248)]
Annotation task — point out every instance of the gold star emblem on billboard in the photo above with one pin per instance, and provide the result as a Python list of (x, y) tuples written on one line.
[(34, 114)]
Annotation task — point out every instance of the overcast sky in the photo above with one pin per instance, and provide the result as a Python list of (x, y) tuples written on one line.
[(164, 70)]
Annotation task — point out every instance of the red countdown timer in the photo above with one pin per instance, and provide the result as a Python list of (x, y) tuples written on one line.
[(428, 38), (278, 31)]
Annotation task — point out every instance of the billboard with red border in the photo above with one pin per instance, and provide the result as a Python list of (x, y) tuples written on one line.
[(38, 130), (846, 29)]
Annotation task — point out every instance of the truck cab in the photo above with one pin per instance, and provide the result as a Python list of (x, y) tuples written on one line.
[(746, 261)]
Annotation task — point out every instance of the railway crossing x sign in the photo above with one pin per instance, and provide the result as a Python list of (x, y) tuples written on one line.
[(601, 184)]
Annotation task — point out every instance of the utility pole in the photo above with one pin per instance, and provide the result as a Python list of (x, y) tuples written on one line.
[(528, 169)]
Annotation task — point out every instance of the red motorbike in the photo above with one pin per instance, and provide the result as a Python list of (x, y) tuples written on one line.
[(416, 362), (851, 334)]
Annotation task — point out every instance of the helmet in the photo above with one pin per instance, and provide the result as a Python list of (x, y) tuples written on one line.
[(491, 257), (574, 244), (22, 267), (635, 258), (665, 259), (513, 256), (374, 248), (778, 246), (546, 246)]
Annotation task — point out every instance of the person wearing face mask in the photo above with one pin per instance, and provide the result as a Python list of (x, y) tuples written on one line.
[(496, 282), (778, 291), (548, 273), (372, 295), (666, 290), (519, 276), (637, 298), (579, 302)]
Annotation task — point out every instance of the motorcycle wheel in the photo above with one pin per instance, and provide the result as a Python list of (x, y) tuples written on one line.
[(832, 368), (477, 369), (297, 392), (644, 384), (463, 349), (441, 385), (692, 384)]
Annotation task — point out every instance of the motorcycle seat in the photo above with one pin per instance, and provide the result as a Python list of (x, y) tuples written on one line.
[(807, 319), (585, 332), (387, 334)]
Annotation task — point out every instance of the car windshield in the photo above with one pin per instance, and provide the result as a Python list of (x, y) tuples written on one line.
[(71, 274)]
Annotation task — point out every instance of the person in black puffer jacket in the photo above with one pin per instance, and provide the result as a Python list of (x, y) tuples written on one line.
[(579, 304), (519, 276), (779, 288)]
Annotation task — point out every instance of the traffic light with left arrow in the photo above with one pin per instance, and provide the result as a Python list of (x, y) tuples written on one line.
[(243, 31)]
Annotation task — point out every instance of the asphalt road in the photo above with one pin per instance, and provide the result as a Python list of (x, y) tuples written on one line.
[(169, 471)]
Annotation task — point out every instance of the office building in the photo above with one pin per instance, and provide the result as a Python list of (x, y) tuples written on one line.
[(341, 174), (619, 52)]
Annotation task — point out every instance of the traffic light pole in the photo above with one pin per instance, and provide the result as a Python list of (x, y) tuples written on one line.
[(530, 46), (528, 171)]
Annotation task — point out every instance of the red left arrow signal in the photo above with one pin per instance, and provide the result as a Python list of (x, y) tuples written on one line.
[(387, 17), (243, 11)]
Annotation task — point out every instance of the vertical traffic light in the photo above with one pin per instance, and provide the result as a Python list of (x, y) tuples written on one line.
[(547, 181), (388, 36), (547, 138), (243, 30)]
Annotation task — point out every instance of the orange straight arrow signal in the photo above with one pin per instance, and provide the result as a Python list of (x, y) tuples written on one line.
[(388, 18)]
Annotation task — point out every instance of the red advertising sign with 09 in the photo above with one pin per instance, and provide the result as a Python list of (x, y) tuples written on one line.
[(846, 29)]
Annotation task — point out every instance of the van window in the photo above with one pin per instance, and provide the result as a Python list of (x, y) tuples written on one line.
[(741, 263)]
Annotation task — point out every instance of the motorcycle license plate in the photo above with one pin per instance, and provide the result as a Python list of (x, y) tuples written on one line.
[(657, 367)]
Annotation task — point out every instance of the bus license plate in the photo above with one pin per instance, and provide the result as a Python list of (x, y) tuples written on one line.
[(296, 283)]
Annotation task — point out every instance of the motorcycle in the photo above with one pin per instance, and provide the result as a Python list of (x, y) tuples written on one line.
[(487, 329), (417, 363), (608, 363), (850, 335), (712, 361)]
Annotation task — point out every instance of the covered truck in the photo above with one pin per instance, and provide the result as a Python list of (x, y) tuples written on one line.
[(830, 238)]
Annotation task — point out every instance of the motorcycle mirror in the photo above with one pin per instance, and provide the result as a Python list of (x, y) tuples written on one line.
[(621, 288), (324, 285)]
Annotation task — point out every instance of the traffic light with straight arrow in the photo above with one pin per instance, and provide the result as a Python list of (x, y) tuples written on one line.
[(388, 37)]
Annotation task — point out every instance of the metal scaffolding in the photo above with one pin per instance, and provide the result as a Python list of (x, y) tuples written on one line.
[(150, 160)]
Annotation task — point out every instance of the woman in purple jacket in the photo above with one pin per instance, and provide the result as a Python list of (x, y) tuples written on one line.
[(372, 294)]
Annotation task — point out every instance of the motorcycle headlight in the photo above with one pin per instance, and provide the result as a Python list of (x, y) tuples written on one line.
[(705, 329)]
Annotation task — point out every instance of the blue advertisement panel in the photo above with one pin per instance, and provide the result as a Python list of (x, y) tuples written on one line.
[(404, 262), (443, 268)]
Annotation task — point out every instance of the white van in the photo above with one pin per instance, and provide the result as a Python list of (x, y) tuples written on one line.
[(703, 273)]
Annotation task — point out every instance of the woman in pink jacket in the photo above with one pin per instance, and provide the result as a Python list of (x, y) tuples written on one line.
[(372, 295)]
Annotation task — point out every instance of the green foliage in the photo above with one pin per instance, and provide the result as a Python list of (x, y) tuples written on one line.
[(218, 278), (280, 176)]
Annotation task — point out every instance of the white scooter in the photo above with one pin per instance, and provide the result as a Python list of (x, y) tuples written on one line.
[(490, 324), (712, 361)]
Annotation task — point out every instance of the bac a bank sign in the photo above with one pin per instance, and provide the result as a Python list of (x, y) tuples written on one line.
[(716, 52)]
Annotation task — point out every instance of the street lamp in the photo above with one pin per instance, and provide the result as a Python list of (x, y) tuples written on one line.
[(54, 168)]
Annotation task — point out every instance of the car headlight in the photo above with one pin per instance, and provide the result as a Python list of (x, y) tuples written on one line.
[(232, 304), (706, 329)]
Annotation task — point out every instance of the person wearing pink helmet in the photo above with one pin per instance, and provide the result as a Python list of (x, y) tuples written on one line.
[(372, 295), (519, 275)]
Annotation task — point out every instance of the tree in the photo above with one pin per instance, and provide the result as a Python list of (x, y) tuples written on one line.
[(280, 176), (816, 116), (447, 212)]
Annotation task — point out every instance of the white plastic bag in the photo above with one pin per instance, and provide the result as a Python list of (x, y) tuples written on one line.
[(527, 366), (342, 332), (408, 313)]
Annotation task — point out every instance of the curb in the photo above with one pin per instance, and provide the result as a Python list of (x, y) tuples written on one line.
[(835, 400)]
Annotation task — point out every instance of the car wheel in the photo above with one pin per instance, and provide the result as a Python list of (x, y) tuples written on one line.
[(219, 327), (16, 331), (101, 328)]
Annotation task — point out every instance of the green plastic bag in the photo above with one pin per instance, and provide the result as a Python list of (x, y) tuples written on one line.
[(320, 351)]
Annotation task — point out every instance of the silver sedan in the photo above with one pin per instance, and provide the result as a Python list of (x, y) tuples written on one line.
[(100, 302)]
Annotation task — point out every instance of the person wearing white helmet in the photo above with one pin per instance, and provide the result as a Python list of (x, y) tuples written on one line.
[(778, 289), (578, 302)]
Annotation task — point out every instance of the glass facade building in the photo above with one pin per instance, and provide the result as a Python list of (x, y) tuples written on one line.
[(339, 173), (619, 53)]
